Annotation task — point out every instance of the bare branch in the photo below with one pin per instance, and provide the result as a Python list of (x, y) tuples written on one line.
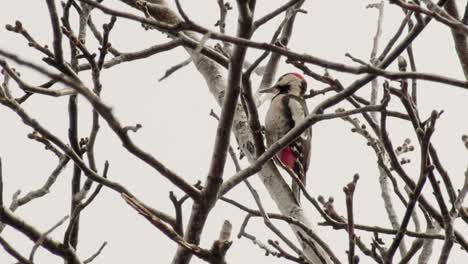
[(425, 169), (349, 192), (457, 206), (371, 71), (134, 128), (43, 237), (57, 43), (95, 255), (32, 89), (45, 189), (255, 241), (263, 20), (13, 252), (460, 40), (169, 232), (410, 75), (287, 139), (106, 113), (175, 68), (70, 153), (1, 183), (239, 117), (267, 221), (218, 160), (34, 235), (437, 13), (286, 32), (19, 28), (137, 55)]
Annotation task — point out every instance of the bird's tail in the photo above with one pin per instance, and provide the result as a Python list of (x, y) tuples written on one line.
[(297, 174), (296, 190)]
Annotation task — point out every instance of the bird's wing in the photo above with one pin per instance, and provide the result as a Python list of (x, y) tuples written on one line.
[(302, 144)]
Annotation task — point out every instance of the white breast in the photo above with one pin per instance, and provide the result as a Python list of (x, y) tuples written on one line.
[(277, 123)]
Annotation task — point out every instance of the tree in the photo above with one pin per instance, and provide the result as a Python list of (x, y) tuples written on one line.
[(74, 70)]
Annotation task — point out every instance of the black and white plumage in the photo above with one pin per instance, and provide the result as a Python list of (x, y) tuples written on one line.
[(287, 109)]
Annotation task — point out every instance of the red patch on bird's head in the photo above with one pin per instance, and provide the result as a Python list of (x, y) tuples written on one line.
[(298, 75)]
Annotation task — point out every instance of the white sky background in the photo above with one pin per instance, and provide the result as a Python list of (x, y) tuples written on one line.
[(179, 132)]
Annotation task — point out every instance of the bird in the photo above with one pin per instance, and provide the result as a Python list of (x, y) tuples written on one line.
[(287, 109)]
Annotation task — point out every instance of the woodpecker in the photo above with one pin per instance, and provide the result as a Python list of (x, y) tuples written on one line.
[(287, 109)]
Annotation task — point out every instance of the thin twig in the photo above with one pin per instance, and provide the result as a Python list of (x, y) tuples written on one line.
[(349, 192), (310, 120), (95, 255), (1, 183), (214, 179), (137, 55), (43, 236), (105, 112), (13, 252), (267, 221), (19, 28), (57, 42), (261, 21), (425, 169)]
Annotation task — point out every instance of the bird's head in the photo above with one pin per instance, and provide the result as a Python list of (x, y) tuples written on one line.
[(290, 83)]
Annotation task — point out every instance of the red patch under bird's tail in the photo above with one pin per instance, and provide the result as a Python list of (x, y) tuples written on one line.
[(289, 159)]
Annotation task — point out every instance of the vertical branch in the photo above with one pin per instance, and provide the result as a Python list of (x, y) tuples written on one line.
[(409, 51), (457, 206), (415, 247), (286, 33), (383, 178), (460, 40), (251, 109), (443, 173), (84, 17), (76, 178), (230, 100), (96, 72), (57, 42), (349, 192), (276, 186), (414, 82), (373, 57), (465, 16), (202, 207), (1, 183), (447, 221), (72, 240), (224, 7), (427, 246), (424, 135)]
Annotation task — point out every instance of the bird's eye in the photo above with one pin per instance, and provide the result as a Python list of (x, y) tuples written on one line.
[(283, 88)]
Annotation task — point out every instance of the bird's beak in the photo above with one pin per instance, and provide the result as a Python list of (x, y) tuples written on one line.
[(268, 90)]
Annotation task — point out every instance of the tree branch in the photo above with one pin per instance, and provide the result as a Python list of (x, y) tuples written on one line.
[(201, 208)]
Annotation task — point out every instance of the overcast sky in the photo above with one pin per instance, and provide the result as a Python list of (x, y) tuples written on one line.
[(178, 130)]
